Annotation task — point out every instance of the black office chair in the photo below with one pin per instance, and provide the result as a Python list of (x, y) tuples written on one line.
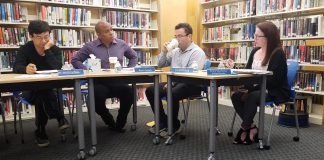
[(2, 112), (291, 75), (19, 102), (204, 94)]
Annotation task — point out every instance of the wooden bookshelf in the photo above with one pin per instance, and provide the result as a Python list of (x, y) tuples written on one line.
[(210, 20), (33, 9)]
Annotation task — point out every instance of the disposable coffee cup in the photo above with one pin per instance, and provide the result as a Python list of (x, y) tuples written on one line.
[(112, 62), (172, 45)]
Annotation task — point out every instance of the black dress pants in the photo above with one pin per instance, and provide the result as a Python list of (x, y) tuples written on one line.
[(179, 91), (123, 92), (246, 107), (46, 106)]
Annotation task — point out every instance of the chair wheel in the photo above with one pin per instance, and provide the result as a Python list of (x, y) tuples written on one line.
[(63, 138), (267, 147), (183, 121), (182, 136), (230, 134), (296, 139)]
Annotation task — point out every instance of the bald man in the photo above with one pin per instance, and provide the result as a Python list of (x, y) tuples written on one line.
[(104, 47)]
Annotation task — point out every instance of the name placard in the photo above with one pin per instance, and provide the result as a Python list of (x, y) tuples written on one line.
[(182, 70), (219, 71), (144, 69), (70, 72)]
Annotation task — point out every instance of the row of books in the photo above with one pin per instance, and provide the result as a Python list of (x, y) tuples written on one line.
[(248, 8), (70, 37), (306, 26), (85, 2), (303, 53), (128, 19), (239, 53), (145, 58), (270, 6), (243, 31), (12, 12), (109, 3), (65, 16), (309, 81), (230, 11), (134, 39), (7, 59), (13, 36)]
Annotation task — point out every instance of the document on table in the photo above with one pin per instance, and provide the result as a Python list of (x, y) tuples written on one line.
[(46, 71), (33, 76), (250, 71)]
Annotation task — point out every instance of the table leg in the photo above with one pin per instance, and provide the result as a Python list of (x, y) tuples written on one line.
[(212, 118), (133, 127), (91, 95), (156, 139), (77, 92), (261, 111)]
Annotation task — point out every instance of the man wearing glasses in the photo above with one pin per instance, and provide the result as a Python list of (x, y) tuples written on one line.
[(183, 56), (41, 54)]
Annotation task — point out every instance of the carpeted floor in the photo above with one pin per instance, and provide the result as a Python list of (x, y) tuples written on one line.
[(138, 144)]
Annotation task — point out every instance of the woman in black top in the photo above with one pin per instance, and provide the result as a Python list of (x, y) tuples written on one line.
[(267, 55)]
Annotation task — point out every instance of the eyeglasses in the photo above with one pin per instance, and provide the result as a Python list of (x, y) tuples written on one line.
[(180, 36), (257, 36), (39, 38)]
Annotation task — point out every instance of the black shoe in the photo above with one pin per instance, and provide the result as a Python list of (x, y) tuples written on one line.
[(41, 139), (63, 124), (109, 120), (119, 130)]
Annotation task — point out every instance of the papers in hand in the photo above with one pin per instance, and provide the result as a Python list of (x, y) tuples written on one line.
[(46, 71), (250, 71)]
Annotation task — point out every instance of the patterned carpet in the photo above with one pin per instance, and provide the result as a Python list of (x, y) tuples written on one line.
[(138, 144)]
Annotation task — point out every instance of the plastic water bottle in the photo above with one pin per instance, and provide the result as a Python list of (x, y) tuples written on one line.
[(118, 67), (194, 65), (66, 66), (221, 65)]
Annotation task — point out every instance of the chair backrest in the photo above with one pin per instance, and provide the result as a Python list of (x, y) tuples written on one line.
[(207, 64), (292, 67)]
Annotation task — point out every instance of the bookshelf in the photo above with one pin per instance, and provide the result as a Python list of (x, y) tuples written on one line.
[(73, 23), (227, 31)]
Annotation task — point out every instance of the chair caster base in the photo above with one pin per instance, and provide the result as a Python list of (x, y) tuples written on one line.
[(81, 155), (169, 141), (133, 127), (296, 139), (92, 151), (266, 147), (182, 136), (211, 156), (156, 140)]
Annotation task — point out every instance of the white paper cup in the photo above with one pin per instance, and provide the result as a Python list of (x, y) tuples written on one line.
[(172, 45)]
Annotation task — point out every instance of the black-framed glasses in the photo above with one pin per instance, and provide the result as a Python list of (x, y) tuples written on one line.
[(257, 36), (180, 36)]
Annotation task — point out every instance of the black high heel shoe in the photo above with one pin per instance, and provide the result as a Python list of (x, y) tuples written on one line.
[(255, 136), (238, 139)]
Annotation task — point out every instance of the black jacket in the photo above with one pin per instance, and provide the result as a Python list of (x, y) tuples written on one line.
[(277, 84), (28, 54)]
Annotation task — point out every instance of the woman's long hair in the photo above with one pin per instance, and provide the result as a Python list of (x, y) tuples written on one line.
[(271, 32)]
